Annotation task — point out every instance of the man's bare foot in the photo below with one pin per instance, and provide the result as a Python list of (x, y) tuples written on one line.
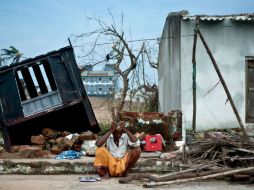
[(125, 174), (106, 176)]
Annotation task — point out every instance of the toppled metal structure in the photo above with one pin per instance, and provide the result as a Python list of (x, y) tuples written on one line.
[(46, 91)]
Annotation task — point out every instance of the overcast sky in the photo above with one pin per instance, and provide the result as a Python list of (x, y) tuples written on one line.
[(39, 26)]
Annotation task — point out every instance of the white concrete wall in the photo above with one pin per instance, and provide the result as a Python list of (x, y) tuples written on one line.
[(229, 42), (170, 66)]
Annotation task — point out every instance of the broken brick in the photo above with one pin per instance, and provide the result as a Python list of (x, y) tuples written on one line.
[(31, 152), (39, 140)]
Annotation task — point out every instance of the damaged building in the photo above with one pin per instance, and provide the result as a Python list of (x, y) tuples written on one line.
[(44, 92), (230, 39)]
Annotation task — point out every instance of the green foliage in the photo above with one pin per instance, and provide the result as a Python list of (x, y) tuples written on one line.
[(11, 55), (104, 128)]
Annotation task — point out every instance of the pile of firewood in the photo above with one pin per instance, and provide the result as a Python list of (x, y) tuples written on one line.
[(58, 141), (226, 150)]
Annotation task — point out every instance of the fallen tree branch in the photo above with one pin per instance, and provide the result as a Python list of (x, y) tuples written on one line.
[(244, 150), (157, 178), (231, 172), (166, 177), (239, 158)]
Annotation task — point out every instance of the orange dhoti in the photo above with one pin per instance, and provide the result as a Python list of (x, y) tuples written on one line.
[(104, 159)]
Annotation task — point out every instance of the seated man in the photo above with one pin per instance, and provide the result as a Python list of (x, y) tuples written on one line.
[(116, 159)]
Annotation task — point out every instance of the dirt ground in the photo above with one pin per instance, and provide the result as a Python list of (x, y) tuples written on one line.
[(71, 182), (101, 109)]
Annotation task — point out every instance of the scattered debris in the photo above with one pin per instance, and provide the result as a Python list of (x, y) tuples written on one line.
[(69, 154), (51, 142)]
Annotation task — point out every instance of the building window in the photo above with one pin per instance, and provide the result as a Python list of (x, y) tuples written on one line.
[(249, 89), (110, 78), (100, 79), (100, 89), (111, 90)]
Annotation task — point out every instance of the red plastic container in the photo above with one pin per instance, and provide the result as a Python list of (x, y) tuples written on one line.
[(152, 143)]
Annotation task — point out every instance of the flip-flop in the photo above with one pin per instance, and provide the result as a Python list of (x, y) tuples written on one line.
[(89, 179)]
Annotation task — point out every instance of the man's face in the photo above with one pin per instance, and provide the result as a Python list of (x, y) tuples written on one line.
[(118, 133)]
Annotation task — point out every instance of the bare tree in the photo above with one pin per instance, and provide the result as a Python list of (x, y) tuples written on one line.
[(124, 55)]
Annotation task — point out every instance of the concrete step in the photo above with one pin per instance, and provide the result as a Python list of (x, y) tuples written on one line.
[(79, 166)]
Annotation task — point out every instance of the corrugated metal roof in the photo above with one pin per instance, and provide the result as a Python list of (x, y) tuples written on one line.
[(239, 17)]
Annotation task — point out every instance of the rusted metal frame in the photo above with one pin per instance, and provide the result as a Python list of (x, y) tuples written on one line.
[(224, 85), (194, 94)]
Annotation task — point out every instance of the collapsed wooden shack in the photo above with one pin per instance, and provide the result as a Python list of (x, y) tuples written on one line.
[(44, 92)]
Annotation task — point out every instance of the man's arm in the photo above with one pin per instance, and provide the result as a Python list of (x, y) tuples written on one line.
[(133, 139), (101, 141)]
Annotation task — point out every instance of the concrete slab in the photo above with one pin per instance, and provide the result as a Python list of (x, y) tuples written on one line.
[(79, 166)]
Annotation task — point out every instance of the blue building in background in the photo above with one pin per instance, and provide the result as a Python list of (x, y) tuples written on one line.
[(100, 82)]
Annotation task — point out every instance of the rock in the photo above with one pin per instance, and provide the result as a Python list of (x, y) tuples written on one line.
[(72, 137), (88, 135), (49, 133), (168, 155), (1, 141), (39, 140), (55, 150), (77, 145), (31, 152), (1, 149), (65, 133), (60, 140), (89, 147), (64, 143), (16, 148)]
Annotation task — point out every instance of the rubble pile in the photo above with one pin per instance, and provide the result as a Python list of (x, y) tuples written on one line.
[(223, 147), (58, 141), (50, 143)]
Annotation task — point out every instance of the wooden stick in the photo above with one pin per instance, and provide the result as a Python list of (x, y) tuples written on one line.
[(224, 85), (184, 154), (194, 96), (244, 150), (148, 185), (154, 177), (239, 158), (158, 178)]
